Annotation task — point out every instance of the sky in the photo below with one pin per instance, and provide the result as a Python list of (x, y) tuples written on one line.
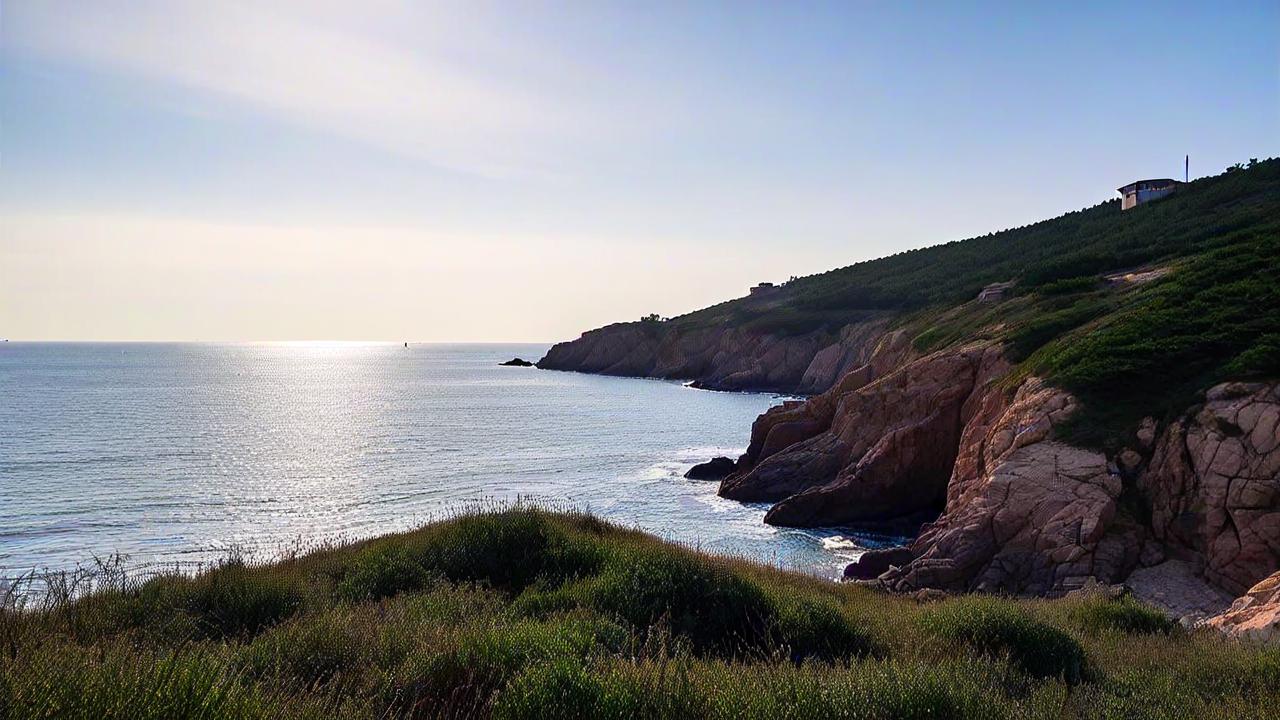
[(525, 171)]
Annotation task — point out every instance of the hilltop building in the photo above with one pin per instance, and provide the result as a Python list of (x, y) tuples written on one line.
[(1141, 191), (762, 288)]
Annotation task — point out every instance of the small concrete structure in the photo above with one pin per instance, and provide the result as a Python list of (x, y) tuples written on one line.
[(1142, 191), (763, 287), (994, 292)]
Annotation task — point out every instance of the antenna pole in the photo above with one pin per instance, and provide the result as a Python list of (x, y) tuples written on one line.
[(1186, 169)]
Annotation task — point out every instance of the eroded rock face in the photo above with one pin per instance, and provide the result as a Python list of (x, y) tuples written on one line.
[(1255, 616), (1024, 513), (1214, 485), (863, 450), (1021, 512), (894, 433), (720, 357), (898, 438)]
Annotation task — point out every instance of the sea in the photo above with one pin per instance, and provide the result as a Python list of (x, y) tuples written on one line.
[(176, 455)]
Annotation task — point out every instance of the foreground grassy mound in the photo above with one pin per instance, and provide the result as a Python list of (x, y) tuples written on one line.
[(525, 613)]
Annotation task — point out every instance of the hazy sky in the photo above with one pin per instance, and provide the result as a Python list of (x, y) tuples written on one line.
[(526, 171)]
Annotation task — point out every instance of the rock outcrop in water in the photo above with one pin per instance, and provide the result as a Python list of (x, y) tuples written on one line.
[(714, 469), (874, 563), (719, 358)]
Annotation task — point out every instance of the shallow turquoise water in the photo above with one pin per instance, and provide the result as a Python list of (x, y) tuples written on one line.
[(175, 453)]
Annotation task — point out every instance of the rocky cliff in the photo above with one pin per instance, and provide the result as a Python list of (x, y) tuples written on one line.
[(981, 412), (1019, 511), (719, 357)]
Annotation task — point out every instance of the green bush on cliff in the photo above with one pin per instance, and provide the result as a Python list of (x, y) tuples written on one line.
[(1215, 317), (590, 620)]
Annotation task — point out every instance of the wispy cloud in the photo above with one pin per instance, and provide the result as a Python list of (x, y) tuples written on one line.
[(413, 80)]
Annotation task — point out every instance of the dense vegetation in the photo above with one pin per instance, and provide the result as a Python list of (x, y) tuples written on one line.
[(1127, 349), (1086, 242), (524, 613)]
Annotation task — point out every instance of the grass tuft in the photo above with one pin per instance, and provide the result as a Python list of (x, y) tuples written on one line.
[(998, 628)]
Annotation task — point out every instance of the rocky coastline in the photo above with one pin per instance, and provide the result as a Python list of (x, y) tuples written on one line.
[(720, 358), (891, 431)]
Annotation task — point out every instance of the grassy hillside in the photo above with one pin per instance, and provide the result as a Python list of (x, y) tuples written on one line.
[(1126, 349), (1082, 243), (525, 613)]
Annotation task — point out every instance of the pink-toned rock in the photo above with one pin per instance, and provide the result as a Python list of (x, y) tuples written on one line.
[(1214, 485), (858, 342), (1254, 616), (869, 448), (1024, 513)]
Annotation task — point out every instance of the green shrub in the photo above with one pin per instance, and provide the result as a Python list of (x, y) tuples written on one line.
[(1069, 286), (818, 629), (1259, 360), (998, 628), (564, 690), (653, 631), (1124, 615), (480, 659), (381, 572), (508, 550), (234, 600), (1213, 319), (1030, 336), (694, 598), (309, 652), (231, 599)]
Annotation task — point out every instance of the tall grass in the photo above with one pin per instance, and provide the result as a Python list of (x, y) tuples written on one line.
[(526, 613)]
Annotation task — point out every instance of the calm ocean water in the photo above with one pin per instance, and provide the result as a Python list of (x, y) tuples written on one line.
[(176, 453)]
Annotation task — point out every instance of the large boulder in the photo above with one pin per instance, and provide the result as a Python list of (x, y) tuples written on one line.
[(713, 469), (1214, 485), (872, 563)]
